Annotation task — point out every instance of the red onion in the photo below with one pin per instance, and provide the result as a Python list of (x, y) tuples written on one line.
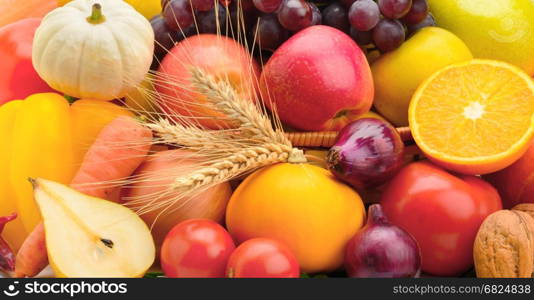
[(7, 257), (367, 153), (381, 249)]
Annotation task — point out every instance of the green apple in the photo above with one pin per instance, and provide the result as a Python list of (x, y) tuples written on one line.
[(493, 29)]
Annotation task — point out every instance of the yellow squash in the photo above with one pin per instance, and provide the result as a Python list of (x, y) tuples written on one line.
[(301, 205), (44, 137)]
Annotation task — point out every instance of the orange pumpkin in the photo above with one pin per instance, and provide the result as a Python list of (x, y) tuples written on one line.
[(301, 205), (14, 10)]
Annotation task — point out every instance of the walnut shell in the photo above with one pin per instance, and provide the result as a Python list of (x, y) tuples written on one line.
[(504, 245), (525, 207)]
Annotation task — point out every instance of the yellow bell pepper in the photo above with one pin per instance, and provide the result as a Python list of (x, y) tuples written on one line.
[(14, 232), (45, 137), (41, 145)]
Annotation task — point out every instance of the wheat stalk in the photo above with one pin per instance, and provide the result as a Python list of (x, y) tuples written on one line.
[(237, 164), (224, 154)]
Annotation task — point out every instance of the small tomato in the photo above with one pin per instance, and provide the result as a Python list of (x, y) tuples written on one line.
[(261, 257), (196, 248)]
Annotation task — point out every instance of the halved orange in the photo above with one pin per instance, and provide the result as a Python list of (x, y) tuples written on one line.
[(474, 117)]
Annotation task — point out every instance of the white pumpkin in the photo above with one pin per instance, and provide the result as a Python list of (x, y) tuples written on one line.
[(98, 49)]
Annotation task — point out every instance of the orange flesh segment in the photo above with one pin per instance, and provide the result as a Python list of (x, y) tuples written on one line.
[(474, 110)]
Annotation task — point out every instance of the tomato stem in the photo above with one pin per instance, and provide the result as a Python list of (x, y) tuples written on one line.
[(96, 16)]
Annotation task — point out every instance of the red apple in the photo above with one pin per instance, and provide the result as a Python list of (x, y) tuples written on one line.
[(155, 176), (516, 182), (319, 79), (219, 56)]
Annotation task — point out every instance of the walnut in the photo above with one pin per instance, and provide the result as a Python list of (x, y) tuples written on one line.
[(504, 245), (525, 207)]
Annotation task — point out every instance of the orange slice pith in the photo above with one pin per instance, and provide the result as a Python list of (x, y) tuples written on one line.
[(474, 117)]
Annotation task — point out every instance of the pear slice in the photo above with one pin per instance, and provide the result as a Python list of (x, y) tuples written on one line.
[(91, 237)]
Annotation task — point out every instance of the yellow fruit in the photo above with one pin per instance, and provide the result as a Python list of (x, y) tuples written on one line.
[(494, 29), (397, 74), (148, 8), (141, 100), (474, 117), (372, 115), (300, 205)]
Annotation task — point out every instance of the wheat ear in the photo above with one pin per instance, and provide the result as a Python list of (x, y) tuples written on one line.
[(243, 111), (265, 145)]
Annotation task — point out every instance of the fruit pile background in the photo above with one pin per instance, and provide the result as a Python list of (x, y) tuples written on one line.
[(267, 138)]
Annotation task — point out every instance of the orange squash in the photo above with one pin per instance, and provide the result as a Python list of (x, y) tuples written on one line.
[(301, 205), (14, 10)]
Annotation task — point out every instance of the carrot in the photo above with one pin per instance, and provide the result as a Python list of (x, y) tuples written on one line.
[(32, 257), (118, 150)]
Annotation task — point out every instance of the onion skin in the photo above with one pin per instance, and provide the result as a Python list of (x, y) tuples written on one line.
[(382, 250), (366, 154)]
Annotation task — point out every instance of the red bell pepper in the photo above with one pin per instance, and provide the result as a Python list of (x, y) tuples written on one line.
[(19, 79)]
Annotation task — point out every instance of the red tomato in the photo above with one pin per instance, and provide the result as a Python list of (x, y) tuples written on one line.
[(442, 212), (19, 79), (261, 257), (196, 248)]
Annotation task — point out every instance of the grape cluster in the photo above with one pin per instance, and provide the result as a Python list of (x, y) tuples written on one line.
[(384, 23), (381, 24)]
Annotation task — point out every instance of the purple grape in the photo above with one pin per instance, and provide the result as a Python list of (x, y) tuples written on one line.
[(417, 13), (362, 38), (427, 22), (243, 15), (164, 36), (295, 15), (270, 34), (178, 14), (213, 21), (364, 15), (388, 35), (164, 3), (267, 6), (394, 9), (316, 19), (347, 3), (335, 15), (202, 5)]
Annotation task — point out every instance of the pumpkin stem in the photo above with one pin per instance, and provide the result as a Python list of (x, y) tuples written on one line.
[(297, 156), (96, 16)]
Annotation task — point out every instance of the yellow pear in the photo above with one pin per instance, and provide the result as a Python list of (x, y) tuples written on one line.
[(91, 237)]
